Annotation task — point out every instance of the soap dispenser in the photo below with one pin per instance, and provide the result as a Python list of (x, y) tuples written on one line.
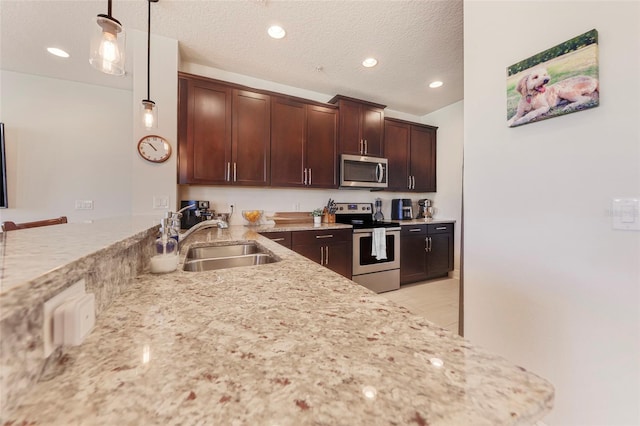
[(166, 258)]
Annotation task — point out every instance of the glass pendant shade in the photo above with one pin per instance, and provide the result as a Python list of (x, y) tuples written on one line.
[(108, 46), (149, 113)]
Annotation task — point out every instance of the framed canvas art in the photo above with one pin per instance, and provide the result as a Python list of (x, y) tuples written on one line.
[(3, 171), (557, 81)]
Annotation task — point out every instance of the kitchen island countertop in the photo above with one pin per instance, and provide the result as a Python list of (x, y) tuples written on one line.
[(286, 343)]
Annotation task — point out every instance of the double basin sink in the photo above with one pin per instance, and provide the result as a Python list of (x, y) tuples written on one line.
[(213, 257)]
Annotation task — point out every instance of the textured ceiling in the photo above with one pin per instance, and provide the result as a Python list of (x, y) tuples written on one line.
[(415, 43)]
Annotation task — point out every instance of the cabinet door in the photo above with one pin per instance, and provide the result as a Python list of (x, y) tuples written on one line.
[(337, 257), (440, 257), (372, 130), (423, 158), (250, 138), (204, 132), (396, 148), (321, 140), (330, 247), (350, 131), (413, 265), (287, 142)]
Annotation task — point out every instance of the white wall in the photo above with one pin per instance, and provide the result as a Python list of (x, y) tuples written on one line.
[(448, 199), (69, 141), (548, 282), (66, 141), (151, 180)]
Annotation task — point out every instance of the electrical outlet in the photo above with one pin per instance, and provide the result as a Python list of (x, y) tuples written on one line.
[(76, 290), (84, 204)]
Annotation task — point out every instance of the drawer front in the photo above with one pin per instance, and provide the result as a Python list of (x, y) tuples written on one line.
[(439, 228), (413, 230), (326, 236), (283, 238)]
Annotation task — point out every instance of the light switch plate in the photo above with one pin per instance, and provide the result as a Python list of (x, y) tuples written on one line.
[(160, 202), (626, 213)]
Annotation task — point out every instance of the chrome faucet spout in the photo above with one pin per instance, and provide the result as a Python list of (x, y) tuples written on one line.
[(211, 223)]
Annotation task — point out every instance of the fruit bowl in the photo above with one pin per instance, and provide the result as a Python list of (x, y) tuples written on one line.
[(252, 216)]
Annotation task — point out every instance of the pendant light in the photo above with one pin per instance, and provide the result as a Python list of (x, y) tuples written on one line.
[(149, 110), (107, 44)]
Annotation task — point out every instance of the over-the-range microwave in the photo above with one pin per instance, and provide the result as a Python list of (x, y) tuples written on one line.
[(358, 171)]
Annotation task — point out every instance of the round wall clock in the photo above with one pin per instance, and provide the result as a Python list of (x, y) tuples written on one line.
[(154, 148)]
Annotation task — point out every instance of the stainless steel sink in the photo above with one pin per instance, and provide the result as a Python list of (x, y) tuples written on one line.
[(212, 252), (209, 258), (228, 262)]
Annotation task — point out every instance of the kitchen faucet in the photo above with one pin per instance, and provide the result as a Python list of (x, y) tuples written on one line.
[(210, 223)]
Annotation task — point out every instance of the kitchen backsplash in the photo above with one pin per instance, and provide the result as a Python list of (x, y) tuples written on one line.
[(289, 200)]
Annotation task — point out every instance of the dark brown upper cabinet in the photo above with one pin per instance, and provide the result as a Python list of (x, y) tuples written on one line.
[(361, 126), (411, 151), (223, 134), (303, 144)]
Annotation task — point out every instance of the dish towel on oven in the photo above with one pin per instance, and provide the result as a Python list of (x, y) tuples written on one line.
[(379, 244)]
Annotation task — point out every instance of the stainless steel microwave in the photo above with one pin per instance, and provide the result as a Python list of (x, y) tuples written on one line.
[(357, 171)]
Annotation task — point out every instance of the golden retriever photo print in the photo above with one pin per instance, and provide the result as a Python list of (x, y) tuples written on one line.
[(558, 81)]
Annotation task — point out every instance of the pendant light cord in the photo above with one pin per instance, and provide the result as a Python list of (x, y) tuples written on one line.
[(148, 49), (109, 8)]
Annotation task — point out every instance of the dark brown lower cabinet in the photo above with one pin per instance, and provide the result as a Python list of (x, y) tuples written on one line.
[(426, 251), (439, 254), (283, 238), (413, 244), (331, 248)]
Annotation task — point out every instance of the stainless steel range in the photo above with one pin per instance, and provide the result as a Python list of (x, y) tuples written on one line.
[(377, 271)]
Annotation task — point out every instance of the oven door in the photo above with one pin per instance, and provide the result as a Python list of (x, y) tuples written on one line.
[(364, 263)]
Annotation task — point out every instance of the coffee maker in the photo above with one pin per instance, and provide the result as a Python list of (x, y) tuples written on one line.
[(198, 212), (424, 209), (401, 209)]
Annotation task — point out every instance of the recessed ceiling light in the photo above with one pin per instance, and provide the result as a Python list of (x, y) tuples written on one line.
[(435, 84), (370, 62), (276, 31), (57, 52)]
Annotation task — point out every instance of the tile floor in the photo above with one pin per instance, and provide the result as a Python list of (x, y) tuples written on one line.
[(436, 300)]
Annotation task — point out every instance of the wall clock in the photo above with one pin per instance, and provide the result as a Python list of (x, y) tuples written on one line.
[(154, 148)]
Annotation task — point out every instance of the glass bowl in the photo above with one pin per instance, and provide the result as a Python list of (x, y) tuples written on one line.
[(252, 216)]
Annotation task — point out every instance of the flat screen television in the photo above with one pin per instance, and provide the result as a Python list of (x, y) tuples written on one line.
[(3, 170)]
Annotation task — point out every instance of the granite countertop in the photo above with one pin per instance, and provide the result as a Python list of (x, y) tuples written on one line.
[(424, 221), (286, 343)]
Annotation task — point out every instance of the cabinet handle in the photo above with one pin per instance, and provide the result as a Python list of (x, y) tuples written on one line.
[(304, 173), (321, 255), (309, 176), (366, 147), (235, 175), (430, 244), (361, 146), (415, 230), (441, 228), (413, 182), (326, 257), (277, 239), (324, 236), (426, 244), (227, 176), (409, 185)]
